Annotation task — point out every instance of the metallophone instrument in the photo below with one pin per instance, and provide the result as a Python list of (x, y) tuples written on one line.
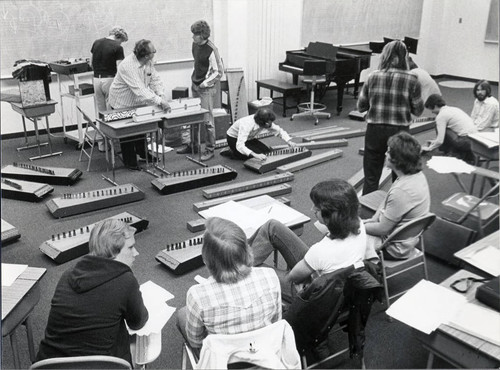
[(311, 161), (46, 175), (9, 233), (65, 246), (344, 134), (191, 179), (276, 158), (75, 203), (25, 190), (186, 255), (311, 145)]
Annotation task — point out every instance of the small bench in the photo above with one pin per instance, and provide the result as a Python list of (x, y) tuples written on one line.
[(284, 88)]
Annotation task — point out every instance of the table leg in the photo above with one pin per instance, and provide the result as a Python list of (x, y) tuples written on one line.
[(284, 103), (198, 161), (27, 146), (39, 145), (49, 140), (111, 181), (258, 91)]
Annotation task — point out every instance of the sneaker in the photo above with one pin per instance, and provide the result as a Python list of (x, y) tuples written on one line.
[(187, 150), (207, 154), (226, 153)]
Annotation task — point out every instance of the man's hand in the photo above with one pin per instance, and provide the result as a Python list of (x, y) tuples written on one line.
[(291, 144), (261, 157), (164, 104)]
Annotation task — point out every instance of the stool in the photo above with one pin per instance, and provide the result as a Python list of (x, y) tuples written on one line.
[(284, 88), (315, 74)]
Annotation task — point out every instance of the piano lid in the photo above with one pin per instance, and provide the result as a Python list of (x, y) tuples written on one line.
[(322, 50)]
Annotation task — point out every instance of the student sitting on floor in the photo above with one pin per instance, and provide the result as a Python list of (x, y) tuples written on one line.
[(407, 199), (241, 135), (452, 125), (237, 297)]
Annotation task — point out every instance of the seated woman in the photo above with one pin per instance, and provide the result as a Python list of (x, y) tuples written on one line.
[(237, 297), (241, 135), (95, 298), (335, 204)]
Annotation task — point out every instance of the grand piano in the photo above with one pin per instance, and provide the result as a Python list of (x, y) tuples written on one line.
[(343, 64)]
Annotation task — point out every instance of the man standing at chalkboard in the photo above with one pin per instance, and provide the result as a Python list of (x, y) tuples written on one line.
[(207, 71), (137, 83)]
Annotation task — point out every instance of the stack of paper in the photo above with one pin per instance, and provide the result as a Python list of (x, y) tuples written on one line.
[(449, 165), (489, 139), (10, 272), (486, 258), (478, 321)]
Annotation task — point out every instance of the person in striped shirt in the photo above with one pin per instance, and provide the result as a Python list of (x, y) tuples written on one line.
[(137, 83)]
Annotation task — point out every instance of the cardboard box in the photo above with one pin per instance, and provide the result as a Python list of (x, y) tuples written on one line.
[(85, 89), (180, 92)]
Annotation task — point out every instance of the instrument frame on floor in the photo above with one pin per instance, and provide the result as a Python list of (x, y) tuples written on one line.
[(311, 161), (234, 188), (25, 190), (45, 175), (192, 179), (336, 135), (316, 144), (318, 131), (182, 257), (273, 191), (9, 233), (277, 158), (75, 203), (74, 244), (422, 124)]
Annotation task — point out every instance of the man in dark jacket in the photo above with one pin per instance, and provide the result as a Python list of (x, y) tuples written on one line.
[(95, 298)]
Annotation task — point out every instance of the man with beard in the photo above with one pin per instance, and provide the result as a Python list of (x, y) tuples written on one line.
[(485, 111)]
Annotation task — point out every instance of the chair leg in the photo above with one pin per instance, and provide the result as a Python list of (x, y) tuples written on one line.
[(15, 349), (29, 333), (430, 360)]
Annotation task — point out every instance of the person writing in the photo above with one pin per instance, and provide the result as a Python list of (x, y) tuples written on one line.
[(391, 95), (407, 199), (452, 125), (241, 135), (95, 298), (137, 83), (485, 111), (236, 297), (206, 73)]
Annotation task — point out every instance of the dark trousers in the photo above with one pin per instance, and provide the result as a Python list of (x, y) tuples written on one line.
[(375, 147), (254, 145), (458, 146), (132, 146)]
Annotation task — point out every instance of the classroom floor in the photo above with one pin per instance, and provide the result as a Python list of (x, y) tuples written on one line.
[(388, 345)]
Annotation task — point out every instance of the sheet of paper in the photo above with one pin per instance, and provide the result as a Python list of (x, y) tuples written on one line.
[(489, 139), (478, 321), (279, 211), (426, 306), (10, 272), (449, 165), (154, 291), (486, 259)]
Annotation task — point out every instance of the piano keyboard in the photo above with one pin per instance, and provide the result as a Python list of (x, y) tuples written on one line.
[(25, 190), (272, 191), (65, 246), (276, 158), (183, 256), (46, 175), (191, 179), (75, 203), (336, 135), (234, 188), (311, 161), (9, 233)]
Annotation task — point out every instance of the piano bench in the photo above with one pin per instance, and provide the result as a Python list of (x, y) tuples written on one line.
[(284, 88)]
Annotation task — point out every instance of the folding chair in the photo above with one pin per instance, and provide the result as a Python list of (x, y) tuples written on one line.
[(91, 136)]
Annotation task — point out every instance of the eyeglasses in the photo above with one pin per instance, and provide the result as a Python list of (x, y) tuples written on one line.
[(463, 285)]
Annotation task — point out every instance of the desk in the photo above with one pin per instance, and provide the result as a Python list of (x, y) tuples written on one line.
[(18, 300), (34, 114), (282, 87), (492, 239), (457, 347), (485, 146)]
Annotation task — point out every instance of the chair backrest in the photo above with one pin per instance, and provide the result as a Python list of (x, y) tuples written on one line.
[(410, 230), (82, 362), (314, 67)]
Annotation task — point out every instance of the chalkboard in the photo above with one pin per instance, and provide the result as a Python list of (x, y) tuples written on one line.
[(50, 30), (352, 21)]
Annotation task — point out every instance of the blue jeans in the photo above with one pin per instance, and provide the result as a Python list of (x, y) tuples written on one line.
[(207, 96)]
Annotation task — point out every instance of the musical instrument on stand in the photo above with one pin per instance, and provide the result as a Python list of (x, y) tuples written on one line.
[(9, 233), (46, 175), (25, 190), (183, 256), (75, 203), (342, 65), (65, 246), (311, 161), (191, 179), (234, 188), (276, 158)]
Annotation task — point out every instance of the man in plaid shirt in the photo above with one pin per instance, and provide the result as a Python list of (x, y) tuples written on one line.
[(391, 95)]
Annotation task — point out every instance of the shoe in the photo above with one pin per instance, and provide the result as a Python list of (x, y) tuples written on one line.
[(207, 154), (228, 153), (143, 159), (187, 150), (133, 168)]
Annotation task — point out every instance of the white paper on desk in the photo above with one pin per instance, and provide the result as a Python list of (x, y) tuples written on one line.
[(489, 139), (154, 298), (478, 321), (449, 165), (10, 272), (426, 306), (486, 259)]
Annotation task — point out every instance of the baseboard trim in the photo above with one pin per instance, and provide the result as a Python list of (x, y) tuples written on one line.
[(54, 130)]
